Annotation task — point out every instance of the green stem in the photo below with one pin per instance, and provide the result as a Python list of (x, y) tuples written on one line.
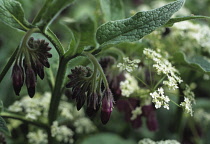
[(23, 119), (56, 95), (159, 82), (8, 64), (95, 63), (55, 41)]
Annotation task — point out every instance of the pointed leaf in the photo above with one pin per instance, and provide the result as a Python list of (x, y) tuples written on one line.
[(171, 22), (3, 127), (137, 26), (196, 62), (50, 13), (11, 13), (112, 9)]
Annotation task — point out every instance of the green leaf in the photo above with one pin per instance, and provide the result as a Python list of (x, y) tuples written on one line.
[(3, 127), (1, 106), (11, 13), (137, 26), (106, 138), (196, 62), (50, 11), (112, 9), (171, 22)]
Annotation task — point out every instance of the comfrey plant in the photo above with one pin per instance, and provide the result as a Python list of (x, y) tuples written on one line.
[(103, 65)]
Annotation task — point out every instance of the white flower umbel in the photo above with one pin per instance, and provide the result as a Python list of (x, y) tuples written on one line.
[(129, 86), (163, 66), (38, 137), (62, 133), (187, 106), (189, 99), (159, 99), (149, 141), (128, 65), (136, 112)]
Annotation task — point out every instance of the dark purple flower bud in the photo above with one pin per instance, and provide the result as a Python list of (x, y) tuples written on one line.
[(40, 69), (44, 61), (30, 81), (93, 104), (107, 106), (80, 100), (151, 121), (17, 78)]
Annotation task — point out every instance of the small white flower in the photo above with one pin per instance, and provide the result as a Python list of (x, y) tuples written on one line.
[(187, 106), (136, 112), (129, 86), (38, 137), (159, 99), (128, 65)]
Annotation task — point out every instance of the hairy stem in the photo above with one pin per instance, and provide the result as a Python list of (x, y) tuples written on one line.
[(23, 119), (56, 95), (8, 64)]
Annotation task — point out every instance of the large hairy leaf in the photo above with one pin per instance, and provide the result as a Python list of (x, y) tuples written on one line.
[(11, 13), (196, 62), (137, 26)]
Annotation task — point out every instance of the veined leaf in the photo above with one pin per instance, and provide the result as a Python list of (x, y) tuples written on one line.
[(3, 127), (137, 26), (196, 62), (171, 22), (112, 9), (54, 7), (11, 13)]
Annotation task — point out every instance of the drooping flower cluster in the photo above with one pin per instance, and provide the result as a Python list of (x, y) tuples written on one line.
[(129, 86), (128, 65), (163, 66), (159, 99), (86, 86), (30, 63)]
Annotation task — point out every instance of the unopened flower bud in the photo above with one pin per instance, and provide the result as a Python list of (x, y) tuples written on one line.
[(107, 106), (17, 78), (30, 81)]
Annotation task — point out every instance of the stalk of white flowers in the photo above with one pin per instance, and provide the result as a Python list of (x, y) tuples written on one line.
[(159, 99), (149, 141), (128, 65), (129, 86), (163, 66), (62, 133), (38, 137), (189, 99)]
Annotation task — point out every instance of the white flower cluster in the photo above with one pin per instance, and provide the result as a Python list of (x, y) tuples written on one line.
[(38, 137), (33, 108), (129, 86), (128, 65), (163, 66), (136, 112), (62, 133), (202, 116), (160, 99), (189, 98), (149, 141)]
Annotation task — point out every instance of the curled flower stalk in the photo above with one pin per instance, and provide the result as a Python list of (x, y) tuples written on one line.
[(92, 87), (30, 61)]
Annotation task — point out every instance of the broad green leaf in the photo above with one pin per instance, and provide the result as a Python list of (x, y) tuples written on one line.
[(3, 127), (171, 22), (53, 8), (196, 62), (137, 26), (112, 9), (12, 14), (106, 138)]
